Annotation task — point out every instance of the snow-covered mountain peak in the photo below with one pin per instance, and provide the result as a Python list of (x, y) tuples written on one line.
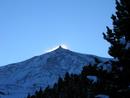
[(19, 79)]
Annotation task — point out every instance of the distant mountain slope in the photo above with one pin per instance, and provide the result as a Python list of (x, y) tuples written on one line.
[(19, 79)]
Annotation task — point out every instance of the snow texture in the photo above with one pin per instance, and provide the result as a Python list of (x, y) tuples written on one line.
[(122, 40), (127, 45), (102, 96), (19, 79), (94, 79)]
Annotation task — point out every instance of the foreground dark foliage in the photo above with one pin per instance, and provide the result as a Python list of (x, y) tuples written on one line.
[(79, 86)]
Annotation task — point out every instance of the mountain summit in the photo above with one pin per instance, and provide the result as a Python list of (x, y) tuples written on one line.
[(62, 46), (19, 79)]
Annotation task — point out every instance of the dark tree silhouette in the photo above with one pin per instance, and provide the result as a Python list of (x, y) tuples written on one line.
[(119, 38)]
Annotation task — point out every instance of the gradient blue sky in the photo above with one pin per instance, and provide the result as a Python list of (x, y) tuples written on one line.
[(31, 27)]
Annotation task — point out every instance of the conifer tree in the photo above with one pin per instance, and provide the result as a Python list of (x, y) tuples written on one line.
[(119, 36)]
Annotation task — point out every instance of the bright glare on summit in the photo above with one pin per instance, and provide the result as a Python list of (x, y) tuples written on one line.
[(54, 48)]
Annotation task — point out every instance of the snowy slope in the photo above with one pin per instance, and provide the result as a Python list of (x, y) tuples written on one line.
[(19, 79)]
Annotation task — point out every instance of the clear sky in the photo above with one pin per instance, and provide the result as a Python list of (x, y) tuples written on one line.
[(31, 27)]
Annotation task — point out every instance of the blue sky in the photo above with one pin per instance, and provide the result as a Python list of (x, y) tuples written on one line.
[(31, 27)]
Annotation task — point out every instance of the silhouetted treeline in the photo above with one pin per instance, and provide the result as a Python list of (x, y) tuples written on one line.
[(71, 86), (79, 86)]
